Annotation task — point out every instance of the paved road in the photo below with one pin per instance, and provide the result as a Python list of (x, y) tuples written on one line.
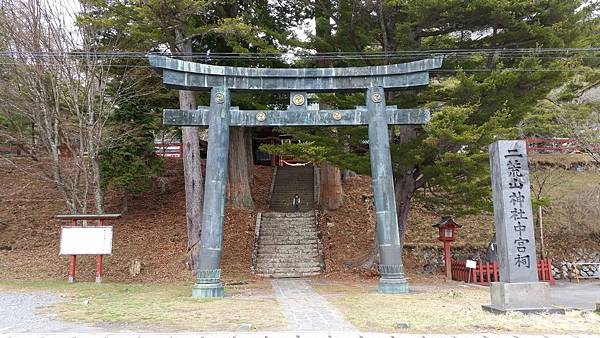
[(19, 312), (582, 296), (305, 309)]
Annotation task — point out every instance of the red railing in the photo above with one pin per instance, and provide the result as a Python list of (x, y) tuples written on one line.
[(12, 150), (172, 150), (551, 145), (484, 272)]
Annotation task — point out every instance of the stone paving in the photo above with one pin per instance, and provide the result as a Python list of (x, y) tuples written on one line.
[(289, 334), (306, 310)]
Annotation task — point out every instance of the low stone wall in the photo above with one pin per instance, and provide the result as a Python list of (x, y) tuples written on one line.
[(429, 258), (567, 269)]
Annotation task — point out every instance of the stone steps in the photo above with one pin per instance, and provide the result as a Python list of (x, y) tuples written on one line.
[(292, 234), (292, 241), (276, 249), (275, 264), (289, 225), (290, 271), (288, 242), (270, 261), (284, 234), (290, 274), (290, 181)]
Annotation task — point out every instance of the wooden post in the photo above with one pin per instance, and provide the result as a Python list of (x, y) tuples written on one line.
[(542, 248), (447, 258), (99, 260), (481, 281), (72, 260), (99, 269), (72, 269)]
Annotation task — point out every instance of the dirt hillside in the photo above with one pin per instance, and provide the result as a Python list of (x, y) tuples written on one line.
[(153, 230)]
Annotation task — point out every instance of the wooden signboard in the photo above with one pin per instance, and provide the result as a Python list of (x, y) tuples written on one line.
[(94, 240)]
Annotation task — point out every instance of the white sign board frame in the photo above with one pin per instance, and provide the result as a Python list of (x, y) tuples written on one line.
[(78, 240), (471, 264)]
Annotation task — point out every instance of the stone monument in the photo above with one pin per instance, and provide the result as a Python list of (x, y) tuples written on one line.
[(519, 288)]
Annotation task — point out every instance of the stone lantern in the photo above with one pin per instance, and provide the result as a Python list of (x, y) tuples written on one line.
[(447, 228)]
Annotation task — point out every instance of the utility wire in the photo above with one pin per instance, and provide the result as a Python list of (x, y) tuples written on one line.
[(589, 54), (457, 70), (539, 52)]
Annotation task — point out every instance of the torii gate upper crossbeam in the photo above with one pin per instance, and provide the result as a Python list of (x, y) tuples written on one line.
[(188, 75)]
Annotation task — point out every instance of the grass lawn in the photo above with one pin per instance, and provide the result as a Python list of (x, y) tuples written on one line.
[(451, 308), (167, 306)]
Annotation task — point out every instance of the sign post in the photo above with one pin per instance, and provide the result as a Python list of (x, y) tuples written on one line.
[(86, 240)]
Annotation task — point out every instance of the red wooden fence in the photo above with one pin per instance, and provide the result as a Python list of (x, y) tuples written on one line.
[(173, 150), (486, 272), (551, 145)]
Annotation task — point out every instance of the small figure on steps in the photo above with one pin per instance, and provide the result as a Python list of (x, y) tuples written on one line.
[(296, 203)]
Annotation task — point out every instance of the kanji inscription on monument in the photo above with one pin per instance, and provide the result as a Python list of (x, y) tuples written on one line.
[(512, 212)]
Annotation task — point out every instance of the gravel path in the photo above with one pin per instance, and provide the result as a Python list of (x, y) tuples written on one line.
[(19, 313), (305, 309)]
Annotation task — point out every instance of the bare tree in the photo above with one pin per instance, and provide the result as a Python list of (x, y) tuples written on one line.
[(56, 96), (543, 180), (583, 125), (581, 121)]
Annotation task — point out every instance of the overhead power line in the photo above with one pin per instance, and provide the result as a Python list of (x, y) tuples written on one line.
[(538, 52), (118, 59), (454, 70)]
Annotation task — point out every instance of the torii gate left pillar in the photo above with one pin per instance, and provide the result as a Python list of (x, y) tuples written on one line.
[(219, 116), (209, 270)]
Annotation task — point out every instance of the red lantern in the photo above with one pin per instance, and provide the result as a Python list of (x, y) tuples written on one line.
[(447, 228)]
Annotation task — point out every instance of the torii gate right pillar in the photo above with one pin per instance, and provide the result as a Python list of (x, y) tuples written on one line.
[(392, 278)]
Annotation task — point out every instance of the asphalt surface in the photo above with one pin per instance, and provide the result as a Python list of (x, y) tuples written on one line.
[(582, 296)]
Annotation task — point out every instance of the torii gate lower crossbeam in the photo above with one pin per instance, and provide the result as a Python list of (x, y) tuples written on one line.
[(219, 116)]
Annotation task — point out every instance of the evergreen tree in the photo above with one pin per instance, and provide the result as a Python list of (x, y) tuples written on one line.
[(476, 98)]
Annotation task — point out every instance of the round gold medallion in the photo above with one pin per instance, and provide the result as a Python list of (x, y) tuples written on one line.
[(261, 116), (219, 97), (376, 97), (298, 99), (336, 115)]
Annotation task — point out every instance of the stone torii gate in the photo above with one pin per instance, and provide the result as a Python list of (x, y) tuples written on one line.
[(221, 81)]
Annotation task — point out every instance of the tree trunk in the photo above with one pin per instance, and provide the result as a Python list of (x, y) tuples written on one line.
[(97, 181), (405, 184), (192, 172), (250, 154), (331, 187), (331, 177), (238, 192)]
